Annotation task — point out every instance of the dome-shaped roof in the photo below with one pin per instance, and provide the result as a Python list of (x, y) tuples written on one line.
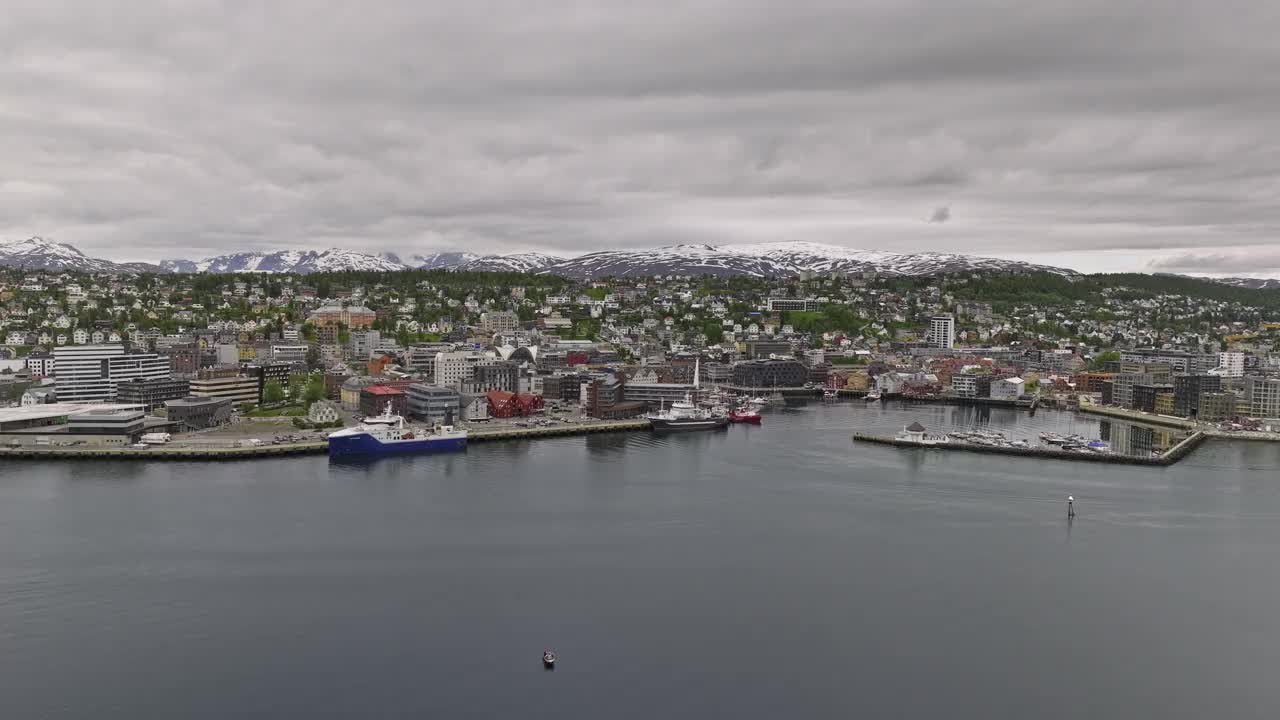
[(519, 354)]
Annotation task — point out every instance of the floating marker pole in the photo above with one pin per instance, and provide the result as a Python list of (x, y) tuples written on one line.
[(1071, 507)]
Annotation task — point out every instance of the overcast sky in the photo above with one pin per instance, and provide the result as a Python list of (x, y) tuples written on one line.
[(1097, 135)]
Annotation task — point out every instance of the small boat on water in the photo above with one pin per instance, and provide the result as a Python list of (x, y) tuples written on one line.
[(744, 415), (873, 396), (548, 659)]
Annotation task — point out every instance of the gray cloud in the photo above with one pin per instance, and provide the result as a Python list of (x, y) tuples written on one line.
[(940, 214), (1261, 263), (1102, 130)]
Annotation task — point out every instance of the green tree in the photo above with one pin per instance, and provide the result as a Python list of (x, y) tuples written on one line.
[(314, 391), (297, 387), (313, 357), (273, 392), (1102, 358), (714, 331)]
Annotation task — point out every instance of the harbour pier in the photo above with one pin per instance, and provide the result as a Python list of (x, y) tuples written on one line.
[(1169, 457)]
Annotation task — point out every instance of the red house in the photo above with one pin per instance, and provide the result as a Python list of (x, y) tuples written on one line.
[(503, 404)]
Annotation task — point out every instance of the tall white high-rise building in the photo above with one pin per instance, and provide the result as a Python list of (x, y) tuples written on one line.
[(942, 331), (90, 373), (1231, 364), (454, 368)]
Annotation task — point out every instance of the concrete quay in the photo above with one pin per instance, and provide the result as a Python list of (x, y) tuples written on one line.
[(1169, 457), (252, 452), (1138, 416)]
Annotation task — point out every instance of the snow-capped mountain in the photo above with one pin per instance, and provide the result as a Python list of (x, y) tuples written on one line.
[(289, 261), (672, 260), (518, 262), (779, 260), (1250, 283), (442, 261), (36, 253)]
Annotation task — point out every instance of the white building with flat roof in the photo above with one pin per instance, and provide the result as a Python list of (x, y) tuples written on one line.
[(942, 331)]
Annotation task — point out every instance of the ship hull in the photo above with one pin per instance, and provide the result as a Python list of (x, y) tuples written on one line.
[(689, 425), (367, 445)]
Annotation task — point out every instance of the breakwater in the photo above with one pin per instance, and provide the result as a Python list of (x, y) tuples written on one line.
[(249, 452), (1169, 457)]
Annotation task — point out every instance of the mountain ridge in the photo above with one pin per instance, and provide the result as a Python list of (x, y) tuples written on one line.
[(766, 260)]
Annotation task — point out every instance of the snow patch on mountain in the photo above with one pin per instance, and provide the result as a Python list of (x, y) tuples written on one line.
[(290, 261), (517, 262), (780, 260), (37, 253)]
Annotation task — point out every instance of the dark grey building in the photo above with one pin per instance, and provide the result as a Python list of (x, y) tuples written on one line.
[(434, 404), (766, 374), (1187, 390), (498, 376), (197, 413), (151, 394)]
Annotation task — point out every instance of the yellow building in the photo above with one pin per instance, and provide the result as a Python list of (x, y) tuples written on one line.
[(857, 381), (248, 352), (1164, 403)]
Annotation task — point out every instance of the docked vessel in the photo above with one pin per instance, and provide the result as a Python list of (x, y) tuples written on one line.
[(387, 434), (873, 396), (686, 415), (744, 415)]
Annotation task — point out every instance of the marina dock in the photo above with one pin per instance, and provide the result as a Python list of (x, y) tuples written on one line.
[(1169, 457)]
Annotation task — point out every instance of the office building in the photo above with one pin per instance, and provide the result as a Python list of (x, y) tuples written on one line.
[(1216, 406), (942, 331), (225, 382), (1133, 374), (91, 373), (1231, 364), (363, 343), (764, 349), (296, 354), (40, 364), (1145, 395), (971, 385), (452, 369), (433, 404), (495, 376), (1187, 390), (151, 393), (198, 413), (767, 374), (126, 424), (1262, 395)]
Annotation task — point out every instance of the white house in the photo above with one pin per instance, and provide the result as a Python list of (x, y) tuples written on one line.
[(1010, 388)]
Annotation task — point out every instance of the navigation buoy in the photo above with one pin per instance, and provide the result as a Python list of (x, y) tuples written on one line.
[(1071, 506)]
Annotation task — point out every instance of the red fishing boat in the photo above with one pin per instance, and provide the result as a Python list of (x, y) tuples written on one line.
[(744, 415)]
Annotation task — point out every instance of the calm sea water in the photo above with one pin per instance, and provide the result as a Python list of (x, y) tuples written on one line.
[(779, 571)]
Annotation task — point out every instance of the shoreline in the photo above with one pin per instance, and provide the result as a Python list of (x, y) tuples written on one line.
[(255, 452)]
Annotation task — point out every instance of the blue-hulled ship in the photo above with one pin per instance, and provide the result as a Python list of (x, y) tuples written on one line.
[(387, 434)]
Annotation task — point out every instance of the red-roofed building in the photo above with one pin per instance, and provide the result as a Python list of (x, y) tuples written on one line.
[(503, 404), (374, 399)]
